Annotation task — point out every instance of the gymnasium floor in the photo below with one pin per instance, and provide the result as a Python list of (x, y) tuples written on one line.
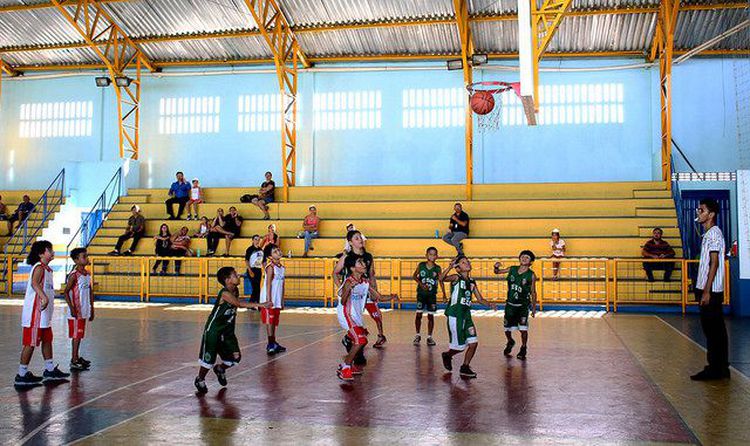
[(590, 378)]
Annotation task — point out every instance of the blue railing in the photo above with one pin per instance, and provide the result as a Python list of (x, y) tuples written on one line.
[(99, 212), (684, 225), (44, 208)]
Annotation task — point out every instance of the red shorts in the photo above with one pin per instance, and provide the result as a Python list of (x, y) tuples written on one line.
[(358, 335), (373, 309), (34, 337), (270, 316), (76, 328), (198, 201)]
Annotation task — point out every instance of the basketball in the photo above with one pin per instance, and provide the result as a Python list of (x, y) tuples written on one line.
[(482, 102)]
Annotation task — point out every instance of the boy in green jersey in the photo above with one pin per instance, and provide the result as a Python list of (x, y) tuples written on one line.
[(218, 335), (426, 275), (521, 299), (461, 328)]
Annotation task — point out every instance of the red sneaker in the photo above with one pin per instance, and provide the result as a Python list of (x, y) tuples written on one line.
[(357, 369), (345, 373), (379, 344)]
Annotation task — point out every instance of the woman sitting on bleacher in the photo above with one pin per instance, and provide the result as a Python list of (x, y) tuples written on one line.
[(163, 248)]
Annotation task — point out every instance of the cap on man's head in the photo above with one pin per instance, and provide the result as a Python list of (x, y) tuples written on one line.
[(136, 208), (556, 231)]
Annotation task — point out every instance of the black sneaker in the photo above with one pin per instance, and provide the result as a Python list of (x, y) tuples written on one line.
[(29, 379), (509, 348), (271, 349), (447, 361), (279, 348), (55, 375), (522, 353), (77, 365), (710, 375), (467, 372), (347, 343), (201, 386), (221, 374), (114, 253), (84, 361)]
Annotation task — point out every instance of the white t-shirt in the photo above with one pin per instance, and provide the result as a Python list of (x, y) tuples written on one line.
[(195, 193), (557, 248), (713, 241)]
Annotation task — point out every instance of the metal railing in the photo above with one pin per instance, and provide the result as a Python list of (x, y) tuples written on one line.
[(607, 283), (683, 226)]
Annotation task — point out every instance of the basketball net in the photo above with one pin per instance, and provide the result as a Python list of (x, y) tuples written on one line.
[(491, 121)]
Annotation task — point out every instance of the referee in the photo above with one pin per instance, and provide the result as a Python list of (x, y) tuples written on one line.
[(709, 292)]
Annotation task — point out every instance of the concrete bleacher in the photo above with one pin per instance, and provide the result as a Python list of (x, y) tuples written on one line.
[(12, 199)]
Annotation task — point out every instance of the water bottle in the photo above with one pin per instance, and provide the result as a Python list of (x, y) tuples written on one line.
[(289, 254), (198, 252), (437, 233)]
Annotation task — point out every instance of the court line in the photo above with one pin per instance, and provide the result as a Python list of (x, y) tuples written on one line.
[(53, 418), (192, 394)]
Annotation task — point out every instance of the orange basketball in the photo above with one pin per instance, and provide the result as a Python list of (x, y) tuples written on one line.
[(482, 102)]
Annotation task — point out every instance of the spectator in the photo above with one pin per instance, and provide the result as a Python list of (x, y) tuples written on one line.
[(136, 230), (265, 196), (3, 211), (203, 229), (21, 214), (271, 238), (196, 198), (181, 248), (254, 261), (224, 226), (558, 252), (458, 229), (310, 229), (162, 248), (657, 248), (347, 246), (179, 193)]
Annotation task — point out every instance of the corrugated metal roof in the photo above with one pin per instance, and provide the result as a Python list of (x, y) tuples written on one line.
[(696, 27), (53, 57), (36, 27), (213, 49), (313, 12)]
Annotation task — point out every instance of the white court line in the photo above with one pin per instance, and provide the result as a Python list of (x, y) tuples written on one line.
[(51, 419), (192, 394)]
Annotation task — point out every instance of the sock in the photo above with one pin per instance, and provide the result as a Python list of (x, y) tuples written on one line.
[(22, 369), (345, 366), (49, 365)]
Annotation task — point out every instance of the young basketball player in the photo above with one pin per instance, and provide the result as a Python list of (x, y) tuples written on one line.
[(426, 276), (521, 298), (80, 302), (219, 338), (354, 293), (461, 330), (36, 317), (272, 291)]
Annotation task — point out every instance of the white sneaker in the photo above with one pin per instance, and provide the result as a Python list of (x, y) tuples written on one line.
[(417, 340)]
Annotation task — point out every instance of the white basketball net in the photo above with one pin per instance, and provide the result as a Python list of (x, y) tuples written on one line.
[(492, 120)]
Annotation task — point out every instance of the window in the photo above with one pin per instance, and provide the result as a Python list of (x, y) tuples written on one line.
[(342, 110), (261, 113), (56, 119), (194, 114), (433, 107)]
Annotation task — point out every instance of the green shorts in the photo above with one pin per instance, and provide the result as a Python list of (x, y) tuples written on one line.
[(461, 331), (224, 346), (516, 318), (427, 303)]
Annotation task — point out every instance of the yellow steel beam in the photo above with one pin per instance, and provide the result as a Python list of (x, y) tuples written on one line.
[(461, 8), (545, 20), (7, 69), (287, 56)]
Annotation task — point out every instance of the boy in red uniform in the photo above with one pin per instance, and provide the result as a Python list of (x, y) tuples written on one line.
[(80, 301)]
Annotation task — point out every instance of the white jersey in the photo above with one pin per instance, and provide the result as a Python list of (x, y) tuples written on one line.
[(32, 315), (80, 295), (713, 241), (557, 248), (277, 287), (350, 315), (195, 193)]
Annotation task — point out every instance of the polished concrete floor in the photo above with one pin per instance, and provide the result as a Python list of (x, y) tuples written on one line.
[(590, 378)]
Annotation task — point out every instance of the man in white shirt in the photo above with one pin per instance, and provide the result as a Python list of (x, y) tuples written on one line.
[(709, 292)]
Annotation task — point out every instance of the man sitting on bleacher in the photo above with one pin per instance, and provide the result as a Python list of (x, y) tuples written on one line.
[(136, 230), (3, 211), (458, 229), (657, 248), (21, 214), (179, 193)]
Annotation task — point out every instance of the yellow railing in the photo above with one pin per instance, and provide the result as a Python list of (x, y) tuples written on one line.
[(605, 282)]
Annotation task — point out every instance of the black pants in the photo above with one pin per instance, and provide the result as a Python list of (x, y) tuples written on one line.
[(212, 240), (650, 267), (255, 281), (170, 205), (136, 236), (712, 322)]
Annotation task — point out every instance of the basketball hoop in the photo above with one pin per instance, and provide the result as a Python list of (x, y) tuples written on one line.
[(485, 101)]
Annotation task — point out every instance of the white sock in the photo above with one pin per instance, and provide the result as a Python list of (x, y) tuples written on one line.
[(49, 365), (22, 369), (345, 366)]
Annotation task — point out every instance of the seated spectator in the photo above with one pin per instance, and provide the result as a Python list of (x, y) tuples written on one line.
[(458, 229), (203, 229), (558, 252), (21, 214), (224, 226), (196, 198), (3, 211), (136, 230), (162, 248), (179, 193), (347, 246), (657, 248), (271, 238), (310, 229), (181, 248), (265, 196)]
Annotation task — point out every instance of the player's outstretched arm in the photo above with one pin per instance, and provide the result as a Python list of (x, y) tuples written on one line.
[(480, 299), (445, 276), (375, 294), (337, 271), (499, 270)]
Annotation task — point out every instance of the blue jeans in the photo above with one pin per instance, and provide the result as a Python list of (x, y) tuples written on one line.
[(308, 239)]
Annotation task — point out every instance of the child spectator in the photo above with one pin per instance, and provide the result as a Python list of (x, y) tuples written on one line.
[(181, 248), (196, 198), (203, 229), (558, 252)]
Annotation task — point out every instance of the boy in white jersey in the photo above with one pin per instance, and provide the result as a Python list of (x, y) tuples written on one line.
[(354, 292), (80, 301), (272, 290), (36, 318)]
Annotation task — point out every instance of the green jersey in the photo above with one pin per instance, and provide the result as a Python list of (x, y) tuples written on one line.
[(428, 276), (221, 319), (519, 287), (460, 303)]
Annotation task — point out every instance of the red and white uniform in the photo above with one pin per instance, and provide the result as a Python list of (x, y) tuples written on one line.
[(350, 315), (37, 323), (80, 297), (196, 195), (271, 315)]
